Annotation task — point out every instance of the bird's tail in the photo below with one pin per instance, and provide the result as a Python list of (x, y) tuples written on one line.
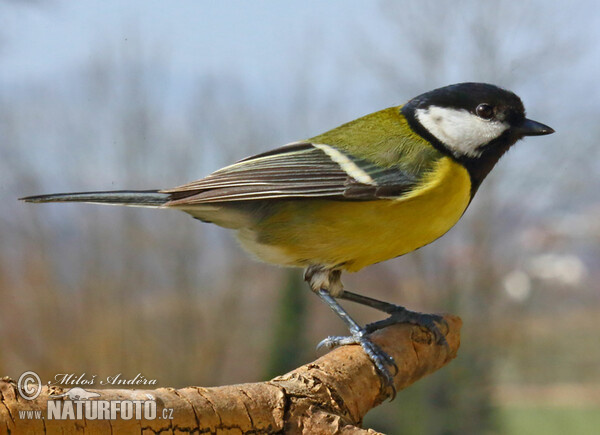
[(136, 198)]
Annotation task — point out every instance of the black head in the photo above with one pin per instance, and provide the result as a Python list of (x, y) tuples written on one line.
[(475, 123)]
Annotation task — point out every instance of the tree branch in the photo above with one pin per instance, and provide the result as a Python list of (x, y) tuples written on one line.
[(329, 395)]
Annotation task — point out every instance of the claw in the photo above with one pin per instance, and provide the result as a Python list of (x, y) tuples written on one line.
[(332, 342), (384, 364), (402, 315), (382, 361)]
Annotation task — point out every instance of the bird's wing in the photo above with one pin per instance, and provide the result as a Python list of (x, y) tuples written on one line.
[(298, 170)]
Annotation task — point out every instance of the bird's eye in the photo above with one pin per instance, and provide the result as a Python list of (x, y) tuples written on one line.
[(484, 111)]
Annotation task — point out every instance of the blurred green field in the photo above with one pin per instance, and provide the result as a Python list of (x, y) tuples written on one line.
[(534, 420)]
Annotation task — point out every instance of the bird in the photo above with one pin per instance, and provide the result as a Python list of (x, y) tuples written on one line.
[(370, 190)]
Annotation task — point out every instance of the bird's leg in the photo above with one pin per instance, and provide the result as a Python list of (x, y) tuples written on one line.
[(397, 314), (378, 357), (382, 361)]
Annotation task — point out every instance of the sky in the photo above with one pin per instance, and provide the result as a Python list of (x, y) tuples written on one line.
[(42, 40), (196, 37)]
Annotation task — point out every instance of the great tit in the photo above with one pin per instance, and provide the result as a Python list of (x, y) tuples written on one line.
[(373, 189)]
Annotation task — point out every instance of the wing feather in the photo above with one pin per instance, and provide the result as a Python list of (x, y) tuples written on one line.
[(299, 170)]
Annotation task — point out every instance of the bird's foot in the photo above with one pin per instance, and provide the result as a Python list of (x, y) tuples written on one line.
[(402, 315), (384, 364)]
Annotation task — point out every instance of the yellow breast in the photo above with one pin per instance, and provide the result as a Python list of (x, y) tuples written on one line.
[(355, 234)]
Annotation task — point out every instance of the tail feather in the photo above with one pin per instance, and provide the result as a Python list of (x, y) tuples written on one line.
[(138, 198)]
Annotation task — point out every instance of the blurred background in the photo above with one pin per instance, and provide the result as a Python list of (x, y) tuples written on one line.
[(98, 95)]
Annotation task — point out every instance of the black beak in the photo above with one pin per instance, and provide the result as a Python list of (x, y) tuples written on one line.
[(533, 128)]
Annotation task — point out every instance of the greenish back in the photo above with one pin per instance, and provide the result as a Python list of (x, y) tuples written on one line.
[(384, 138)]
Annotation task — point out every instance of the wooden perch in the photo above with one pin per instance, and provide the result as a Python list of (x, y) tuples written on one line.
[(329, 395)]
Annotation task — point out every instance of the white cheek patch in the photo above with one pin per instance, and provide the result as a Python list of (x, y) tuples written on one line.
[(460, 130)]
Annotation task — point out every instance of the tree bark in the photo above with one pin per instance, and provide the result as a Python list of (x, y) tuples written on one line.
[(329, 395)]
